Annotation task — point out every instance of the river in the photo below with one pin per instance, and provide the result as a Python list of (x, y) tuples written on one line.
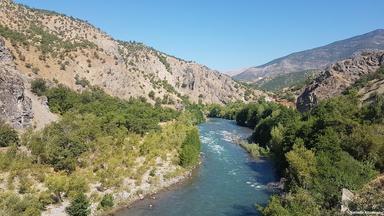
[(228, 183)]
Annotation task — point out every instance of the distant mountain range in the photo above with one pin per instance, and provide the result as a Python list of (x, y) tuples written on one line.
[(317, 58)]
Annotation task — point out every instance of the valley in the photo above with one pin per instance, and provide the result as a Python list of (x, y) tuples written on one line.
[(94, 125), (242, 183)]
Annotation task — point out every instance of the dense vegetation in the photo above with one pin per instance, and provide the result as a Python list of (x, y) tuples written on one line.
[(99, 140), (190, 149), (339, 144), (334, 146)]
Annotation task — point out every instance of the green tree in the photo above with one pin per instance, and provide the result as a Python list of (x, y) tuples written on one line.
[(79, 206), (214, 111), (58, 185), (337, 170), (366, 143), (39, 86), (190, 149), (242, 116), (275, 208), (294, 204), (302, 165), (8, 135)]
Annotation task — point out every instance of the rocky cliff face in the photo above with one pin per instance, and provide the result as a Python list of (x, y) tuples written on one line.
[(338, 76), (15, 107), (72, 52)]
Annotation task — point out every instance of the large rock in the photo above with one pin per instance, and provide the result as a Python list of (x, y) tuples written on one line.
[(15, 107), (338, 77)]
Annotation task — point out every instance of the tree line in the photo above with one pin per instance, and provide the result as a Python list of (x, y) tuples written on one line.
[(339, 144)]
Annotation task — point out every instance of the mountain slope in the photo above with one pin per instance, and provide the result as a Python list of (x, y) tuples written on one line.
[(338, 77), (67, 50), (317, 58)]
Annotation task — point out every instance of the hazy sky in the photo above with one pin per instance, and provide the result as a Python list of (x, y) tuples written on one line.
[(226, 34)]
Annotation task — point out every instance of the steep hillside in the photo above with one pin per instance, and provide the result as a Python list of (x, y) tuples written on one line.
[(338, 77), (283, 81), (73, 52), (317, 58)]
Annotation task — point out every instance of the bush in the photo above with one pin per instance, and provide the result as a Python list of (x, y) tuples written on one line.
[(79, 206), (57, 185), (255, 150), (39, 87), (12, 204), (8, 135), (83, 82), (151, 95), (107, 201)]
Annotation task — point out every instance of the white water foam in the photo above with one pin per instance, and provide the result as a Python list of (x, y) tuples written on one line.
[(229, 136), (211, 143), (217, 148), (255, 185)]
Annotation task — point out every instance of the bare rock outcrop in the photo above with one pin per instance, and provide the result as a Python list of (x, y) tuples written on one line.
[(15, 107), (338, 77)]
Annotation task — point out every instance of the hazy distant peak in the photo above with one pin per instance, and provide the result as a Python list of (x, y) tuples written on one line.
[(316, 58)]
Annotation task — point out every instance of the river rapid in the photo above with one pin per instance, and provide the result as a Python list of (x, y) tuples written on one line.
[(229, 182)]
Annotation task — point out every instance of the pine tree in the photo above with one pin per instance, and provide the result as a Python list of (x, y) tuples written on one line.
[(79, 206)]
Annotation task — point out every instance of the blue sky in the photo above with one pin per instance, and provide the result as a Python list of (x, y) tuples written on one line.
[(226, 34)]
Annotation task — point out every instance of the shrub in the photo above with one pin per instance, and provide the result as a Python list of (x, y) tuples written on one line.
[(8, 135), (83, 82), (151, 95), (107, 201), (12, 204), (255, 150), (57, 185), (39, 86), (79, 206)]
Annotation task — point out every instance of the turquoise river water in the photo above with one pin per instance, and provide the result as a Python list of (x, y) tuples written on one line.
[(228, 183)]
